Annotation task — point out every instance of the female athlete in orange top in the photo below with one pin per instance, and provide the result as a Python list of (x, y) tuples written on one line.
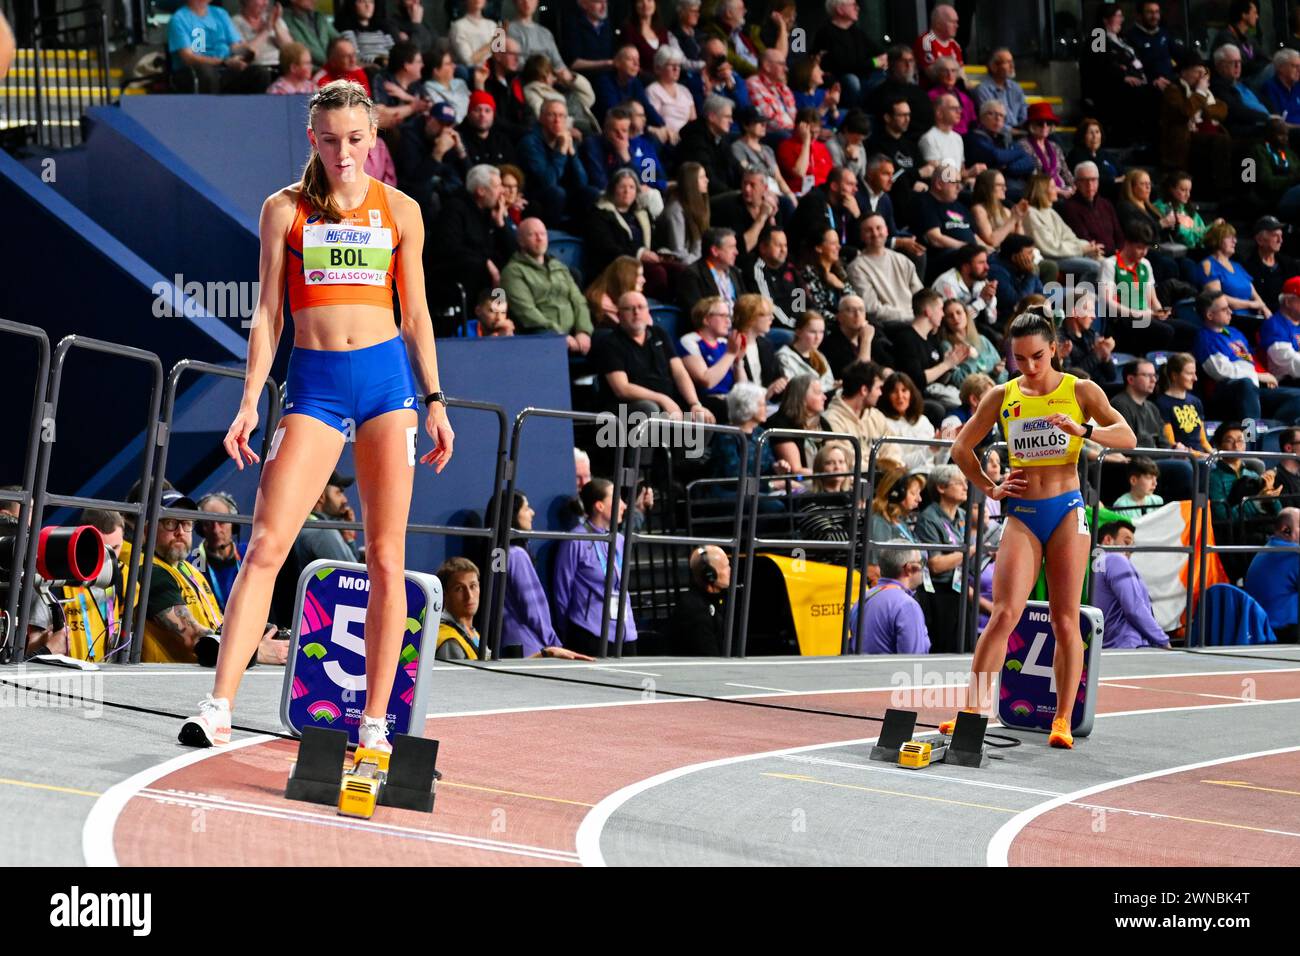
[(339, 241)]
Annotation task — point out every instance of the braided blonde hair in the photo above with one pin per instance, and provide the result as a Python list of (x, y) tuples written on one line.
[(338, 95)]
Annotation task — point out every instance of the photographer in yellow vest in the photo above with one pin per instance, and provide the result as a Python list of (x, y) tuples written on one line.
[(94, 611), (183, 622)]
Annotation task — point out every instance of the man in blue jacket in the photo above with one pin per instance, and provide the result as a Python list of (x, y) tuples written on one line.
[(558, 187), (617, 148), (1274, 577), (990, 143), (623, 83), (1153, 44)]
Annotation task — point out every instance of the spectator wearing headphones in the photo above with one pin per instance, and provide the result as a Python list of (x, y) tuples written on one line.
[(698, 623), (888, 620), (218, 556)]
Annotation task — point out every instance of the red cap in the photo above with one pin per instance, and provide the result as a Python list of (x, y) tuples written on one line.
[(1291, 286), (479, 98), (1042, 113)]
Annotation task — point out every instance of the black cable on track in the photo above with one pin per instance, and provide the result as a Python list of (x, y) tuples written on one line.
[(1196, 652), (134, 708), (1010, 741)]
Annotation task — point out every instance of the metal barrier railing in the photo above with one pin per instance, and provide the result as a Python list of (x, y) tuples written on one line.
[(1212, 549), (963, 569), (41, 412), (751, 493), (154, 509), (506, 532), (1199, 499), (632, 538), (977, 508), (789, 516), (41, 498)]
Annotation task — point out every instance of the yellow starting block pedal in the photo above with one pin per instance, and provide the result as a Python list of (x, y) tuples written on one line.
[(363, 784), (914, 754), (367, 783)]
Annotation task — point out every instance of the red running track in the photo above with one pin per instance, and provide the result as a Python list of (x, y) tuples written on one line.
[(516, 786)]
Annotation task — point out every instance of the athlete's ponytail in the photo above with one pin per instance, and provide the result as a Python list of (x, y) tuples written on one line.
[(1036, 320), (338, 95)]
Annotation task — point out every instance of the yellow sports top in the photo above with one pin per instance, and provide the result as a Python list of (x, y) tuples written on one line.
[(1031, 440)]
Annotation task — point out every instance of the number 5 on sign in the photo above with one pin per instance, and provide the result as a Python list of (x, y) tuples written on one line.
[(341, 634), (1032, 665)]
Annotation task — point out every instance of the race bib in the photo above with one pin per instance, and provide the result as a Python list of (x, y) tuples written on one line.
[(1036, 439), (334, 254)]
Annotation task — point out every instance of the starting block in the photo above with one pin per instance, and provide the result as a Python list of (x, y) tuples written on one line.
[(404, 779), (897, 745)]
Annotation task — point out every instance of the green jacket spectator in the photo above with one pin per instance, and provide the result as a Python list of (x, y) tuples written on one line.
[(1222, 478), (1189, 235), (542, 294), (311, 28)]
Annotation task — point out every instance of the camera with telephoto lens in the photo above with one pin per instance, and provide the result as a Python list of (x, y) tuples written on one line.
[(65, 557)]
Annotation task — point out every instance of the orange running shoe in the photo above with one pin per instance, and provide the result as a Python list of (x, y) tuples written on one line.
[(946, 727), (1061, 736)]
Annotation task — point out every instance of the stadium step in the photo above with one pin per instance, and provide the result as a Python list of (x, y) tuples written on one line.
[(69, 85)]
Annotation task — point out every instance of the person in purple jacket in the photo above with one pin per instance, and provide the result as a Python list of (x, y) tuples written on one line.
[(888, 620), (526, 614), (1122, 596), (578, 577)]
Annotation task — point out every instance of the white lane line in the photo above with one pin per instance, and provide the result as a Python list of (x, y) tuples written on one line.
[(97, 831), (1000, 846), (589, 831), (1149, 814), (777, 690), (929, 774), (622, 670), (1166, 690), (293, 814), (588, 839)]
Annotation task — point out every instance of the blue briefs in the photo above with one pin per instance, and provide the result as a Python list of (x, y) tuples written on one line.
[(338, 388), (1042, 516)]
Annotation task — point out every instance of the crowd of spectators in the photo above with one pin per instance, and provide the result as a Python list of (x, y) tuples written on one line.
[(842, 229)]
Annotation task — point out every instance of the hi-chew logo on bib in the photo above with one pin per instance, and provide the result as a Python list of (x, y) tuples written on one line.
[(336, 254), (1033, 439)]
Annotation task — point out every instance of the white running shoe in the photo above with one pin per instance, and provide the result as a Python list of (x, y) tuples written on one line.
[(211, 727), (374, 734)]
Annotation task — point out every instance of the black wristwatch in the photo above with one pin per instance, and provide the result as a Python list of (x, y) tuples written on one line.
[(1087, 431), (435, 397)]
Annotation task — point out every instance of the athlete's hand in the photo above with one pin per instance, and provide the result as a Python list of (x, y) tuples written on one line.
[(1012, 486), (439, 429), (1066, 424), (236, 441), (564, 654)]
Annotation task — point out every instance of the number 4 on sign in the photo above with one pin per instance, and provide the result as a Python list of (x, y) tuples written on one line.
[(1032, 666)]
